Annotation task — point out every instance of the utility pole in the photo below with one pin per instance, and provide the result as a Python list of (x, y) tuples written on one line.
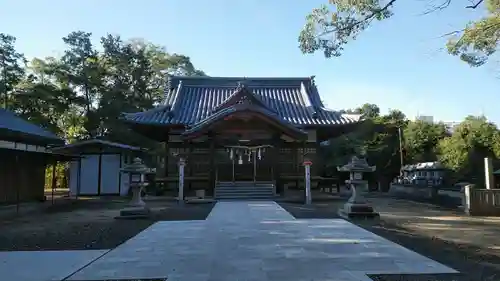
[(400, 147)]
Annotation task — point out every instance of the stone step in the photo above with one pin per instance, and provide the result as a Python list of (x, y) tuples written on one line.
[(244, 184), (244, 188), (244, 191), (244, 197)]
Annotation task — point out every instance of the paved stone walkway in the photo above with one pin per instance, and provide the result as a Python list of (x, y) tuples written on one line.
[(255, 241)]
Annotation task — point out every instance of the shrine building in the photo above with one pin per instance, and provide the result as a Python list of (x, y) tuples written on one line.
[(233, 129)]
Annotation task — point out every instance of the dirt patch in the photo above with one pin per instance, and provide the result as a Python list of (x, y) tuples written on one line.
[(87, 226), (421, 227)]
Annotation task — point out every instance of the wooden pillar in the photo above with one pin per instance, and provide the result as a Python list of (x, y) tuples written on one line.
[(304, 153), (190, 163), (54, 179), (165, 162), (296, 159), (212, 164), (16, 183), (318, 158), (277, 162)]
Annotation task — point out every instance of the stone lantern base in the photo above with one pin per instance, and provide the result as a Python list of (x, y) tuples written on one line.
[(357, 207), (137, 208), (358, 211), (134, 213)]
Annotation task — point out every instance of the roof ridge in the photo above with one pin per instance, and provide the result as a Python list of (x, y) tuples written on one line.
[(151, 110), (235, 86), (239, 78)]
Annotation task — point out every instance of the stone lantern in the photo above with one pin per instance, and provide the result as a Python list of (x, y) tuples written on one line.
[(137, 207), (356, 206)]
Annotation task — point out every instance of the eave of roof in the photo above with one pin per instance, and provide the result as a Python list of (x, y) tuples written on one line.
[(15, 128)]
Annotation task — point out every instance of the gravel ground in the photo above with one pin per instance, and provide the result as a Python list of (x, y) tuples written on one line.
[(472, 261), (87, 225)]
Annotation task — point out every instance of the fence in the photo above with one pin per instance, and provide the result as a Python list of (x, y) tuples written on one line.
[(450, 198), (481, 202)]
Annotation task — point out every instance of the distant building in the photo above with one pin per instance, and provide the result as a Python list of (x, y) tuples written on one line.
[(425, 118), (450, 126)]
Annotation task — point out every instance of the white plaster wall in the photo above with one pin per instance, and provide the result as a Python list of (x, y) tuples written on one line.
[(110, 174), (124, 179), (89, 174)]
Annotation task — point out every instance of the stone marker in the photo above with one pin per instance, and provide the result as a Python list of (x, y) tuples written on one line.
[(307, 169)]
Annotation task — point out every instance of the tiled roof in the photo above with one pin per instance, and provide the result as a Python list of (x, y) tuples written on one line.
[(16, 127), (247, 107), (189, 100)]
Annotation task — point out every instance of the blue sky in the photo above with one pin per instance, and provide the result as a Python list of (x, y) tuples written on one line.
[(395, 64)]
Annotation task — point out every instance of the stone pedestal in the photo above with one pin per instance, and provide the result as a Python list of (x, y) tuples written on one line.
[(357, 207), (137, 208)]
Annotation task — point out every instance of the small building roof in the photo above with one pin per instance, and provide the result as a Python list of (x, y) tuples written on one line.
[(424, 166), (14, 128), (189, 100), (102, 145)]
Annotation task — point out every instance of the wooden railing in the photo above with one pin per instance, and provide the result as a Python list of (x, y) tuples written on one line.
[(481, 202)]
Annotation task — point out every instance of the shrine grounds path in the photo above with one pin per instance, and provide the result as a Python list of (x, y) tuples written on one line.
[(468, 244)]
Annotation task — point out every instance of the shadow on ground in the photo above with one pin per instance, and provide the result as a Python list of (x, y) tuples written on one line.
[(398, 224)]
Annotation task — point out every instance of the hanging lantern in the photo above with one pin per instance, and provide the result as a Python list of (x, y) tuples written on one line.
[(240, 160), (231, 154)]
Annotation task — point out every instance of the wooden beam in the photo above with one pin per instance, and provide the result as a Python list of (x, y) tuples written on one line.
[(166, 154), (212, 164), (318, 159)]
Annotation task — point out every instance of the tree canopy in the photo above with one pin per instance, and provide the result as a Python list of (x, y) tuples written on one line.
[(385, 139), (81, 94), (330, 27)]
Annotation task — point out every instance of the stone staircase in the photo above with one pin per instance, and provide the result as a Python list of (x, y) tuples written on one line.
[(244, 191)]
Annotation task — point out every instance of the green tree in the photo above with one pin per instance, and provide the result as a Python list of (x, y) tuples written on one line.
[(11, 68), (421, 139), (463, 152), (80, 64), (368, 110), (330, 27), (377, 138)]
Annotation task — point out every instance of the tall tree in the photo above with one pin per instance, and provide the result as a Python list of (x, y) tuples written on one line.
[(330, 27), (472, 140), (421, 139), (80, 63), (11, 68)]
